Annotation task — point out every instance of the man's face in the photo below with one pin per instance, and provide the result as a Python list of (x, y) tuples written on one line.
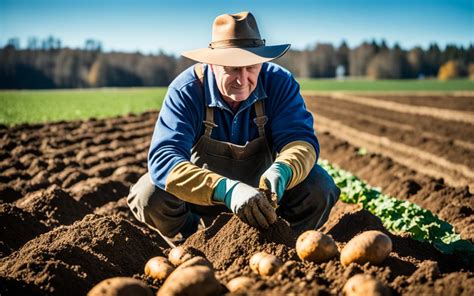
[(236, 83)]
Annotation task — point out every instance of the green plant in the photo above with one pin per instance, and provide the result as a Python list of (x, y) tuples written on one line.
[(397, 215)]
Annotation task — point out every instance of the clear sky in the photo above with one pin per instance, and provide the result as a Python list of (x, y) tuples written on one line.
[(179, 25)]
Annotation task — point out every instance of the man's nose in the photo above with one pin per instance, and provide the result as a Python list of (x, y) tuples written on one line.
[(242, 76)]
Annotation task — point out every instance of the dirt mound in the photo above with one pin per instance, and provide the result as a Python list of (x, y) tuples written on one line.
[(455, 283), (344, 230), (71, 259), (8, 194), (53, 206), (96, 192), (229, 241), (121, 209), (118, 207), (17, 227)]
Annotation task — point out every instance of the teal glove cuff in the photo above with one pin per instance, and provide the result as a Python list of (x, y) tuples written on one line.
[(285, 172), (277, 177), (223, 191)]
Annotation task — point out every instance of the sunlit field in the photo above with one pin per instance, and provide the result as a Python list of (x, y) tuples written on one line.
[(35, 106)]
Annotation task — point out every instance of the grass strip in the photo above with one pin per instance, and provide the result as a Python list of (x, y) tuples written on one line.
[(40, 106)]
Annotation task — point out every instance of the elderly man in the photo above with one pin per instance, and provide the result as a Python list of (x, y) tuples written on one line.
[(229, 125)]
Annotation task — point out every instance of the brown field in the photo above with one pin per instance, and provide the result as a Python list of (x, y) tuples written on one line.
[(65, 225)]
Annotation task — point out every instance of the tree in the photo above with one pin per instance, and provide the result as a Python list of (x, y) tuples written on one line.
[(14, 42), (342, 56), (359, 59), (416, 61), (93, 45), (450, 70), (432, 60), (470, 71), (33, 43), (323, 61)]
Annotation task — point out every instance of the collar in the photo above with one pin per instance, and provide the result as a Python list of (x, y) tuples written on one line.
[(213, 96)]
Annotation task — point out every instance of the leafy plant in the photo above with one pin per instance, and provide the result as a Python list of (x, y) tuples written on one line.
[(397, 215)]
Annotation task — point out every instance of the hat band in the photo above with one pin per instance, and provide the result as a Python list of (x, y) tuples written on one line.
[(237, 43)]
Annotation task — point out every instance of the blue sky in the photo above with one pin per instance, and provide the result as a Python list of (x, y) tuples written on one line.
[(176, 26)]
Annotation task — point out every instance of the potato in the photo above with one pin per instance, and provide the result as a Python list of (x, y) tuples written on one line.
[(315, 246), (370, 246), (265, 264), (365, 285), (269, 265), (179, 255), (120, 286), (240, 284), (195, 261), (158, 268), (255, 260), (194, 280)]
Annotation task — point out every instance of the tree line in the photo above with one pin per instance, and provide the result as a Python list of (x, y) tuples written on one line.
[(51, 66)]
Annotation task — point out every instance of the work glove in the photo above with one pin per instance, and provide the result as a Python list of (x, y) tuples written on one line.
[(276, 179), (247, 202)]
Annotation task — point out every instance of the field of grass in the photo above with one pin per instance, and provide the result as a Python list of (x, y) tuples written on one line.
[(53, 105), (34, 106)]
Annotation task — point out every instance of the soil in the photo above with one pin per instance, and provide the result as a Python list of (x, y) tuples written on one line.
[(423, 132), (452, 141), (461, 103), (66, 225)]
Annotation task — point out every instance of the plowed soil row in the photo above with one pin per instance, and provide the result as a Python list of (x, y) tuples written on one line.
[(447, 144), (65, 224), (451, 102), (439, 113)]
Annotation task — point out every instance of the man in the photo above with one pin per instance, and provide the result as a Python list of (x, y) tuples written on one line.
[(229, 125)]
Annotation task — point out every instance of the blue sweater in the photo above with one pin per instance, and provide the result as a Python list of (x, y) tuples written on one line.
[(180, 123)]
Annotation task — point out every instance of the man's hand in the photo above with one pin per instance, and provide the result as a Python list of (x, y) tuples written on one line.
[(276, 179), (252, 206), (247, 202)]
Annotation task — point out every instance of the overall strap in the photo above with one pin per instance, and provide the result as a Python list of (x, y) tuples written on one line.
[(209, 121), (260, 119)]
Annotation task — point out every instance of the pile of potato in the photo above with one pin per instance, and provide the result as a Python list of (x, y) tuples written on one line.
[(185, 274)]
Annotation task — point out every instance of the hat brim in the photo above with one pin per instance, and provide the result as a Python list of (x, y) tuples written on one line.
[(237, 57)]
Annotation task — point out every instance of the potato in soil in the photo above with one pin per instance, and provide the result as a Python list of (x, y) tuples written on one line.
[(265, 264), (179, 255), (120, 286), (255, 260), (315, 246), (370, 246), (196, 261), (240, 284), (158, 268), (195, 280), (365, 285)]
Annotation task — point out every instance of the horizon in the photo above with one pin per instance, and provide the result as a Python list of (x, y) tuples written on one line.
[(175, 27)]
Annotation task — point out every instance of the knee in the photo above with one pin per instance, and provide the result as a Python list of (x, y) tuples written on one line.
[(322, 187), (308, 205), (156, 207), (139, 197)]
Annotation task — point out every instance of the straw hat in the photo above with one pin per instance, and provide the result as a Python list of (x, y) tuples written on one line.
[(236, 42)]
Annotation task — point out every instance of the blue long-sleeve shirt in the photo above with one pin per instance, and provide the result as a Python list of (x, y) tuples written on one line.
[(180, 123)]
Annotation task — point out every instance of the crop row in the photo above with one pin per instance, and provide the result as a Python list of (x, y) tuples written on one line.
[(399, 216)]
